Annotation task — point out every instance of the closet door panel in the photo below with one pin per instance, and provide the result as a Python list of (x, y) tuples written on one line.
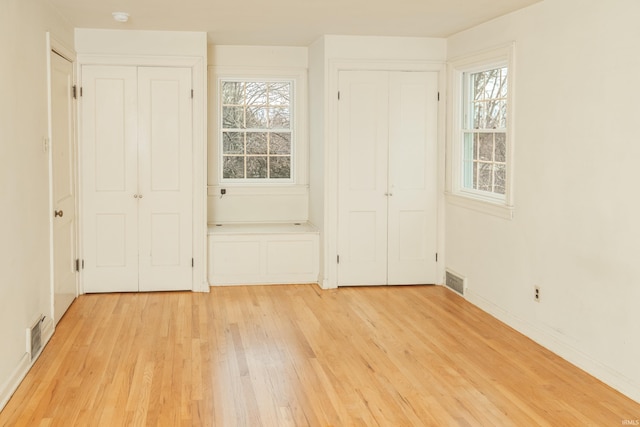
[(412, 177), (109, 179), (165, 178), (362, 169)]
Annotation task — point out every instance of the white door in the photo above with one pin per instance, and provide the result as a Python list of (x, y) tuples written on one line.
[(412, 226), (137, 181), (109, 178), (387, 177), (63, 186), (165, 179), (362, 176)]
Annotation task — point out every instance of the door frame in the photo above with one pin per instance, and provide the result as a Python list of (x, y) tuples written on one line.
[(56, 46), (199, 154), (329, 271)]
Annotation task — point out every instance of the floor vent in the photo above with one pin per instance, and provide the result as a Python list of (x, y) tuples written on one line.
[(455, 282), (34, 338)]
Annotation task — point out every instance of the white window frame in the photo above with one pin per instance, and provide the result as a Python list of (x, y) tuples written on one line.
[(299, 145), (457, 193)]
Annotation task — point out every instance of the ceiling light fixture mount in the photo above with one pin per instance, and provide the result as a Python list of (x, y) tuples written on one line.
[(121, 16)]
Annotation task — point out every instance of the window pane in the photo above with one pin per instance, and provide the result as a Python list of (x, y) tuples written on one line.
[(485, 177), (256, 93), (233, 117), (280, 167), (468, 156), (233, 143), (280, 143), (489, 84), (474, 184), (279, 118), (279, 93), (496, 115), (479, 115), (233, 167), (256, 117), (502, 93), (500, 178), (501, 147), (485, 146), (256, 143), (232, 93), (256, 167)]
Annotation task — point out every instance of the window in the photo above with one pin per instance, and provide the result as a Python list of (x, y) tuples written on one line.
[(256, 130), (480, 145), (484, 130)]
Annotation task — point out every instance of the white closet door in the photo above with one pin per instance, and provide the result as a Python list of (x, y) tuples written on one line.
[(387, 154), (109, 178), (362, 175), (412, 177), (165, 178)]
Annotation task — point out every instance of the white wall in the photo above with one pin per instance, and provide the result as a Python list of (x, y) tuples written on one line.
[(244, 203), (576, 232), (25, 290), (317, 113)]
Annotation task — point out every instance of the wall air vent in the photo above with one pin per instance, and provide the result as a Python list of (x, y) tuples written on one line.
[(455, 282), (34, 338)]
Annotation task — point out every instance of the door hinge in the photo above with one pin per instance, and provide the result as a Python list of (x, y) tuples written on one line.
[(438, 96), (77, 264), (80, 90), (74, 92), (338, 259), (192, 262), (191, 93), (338, 95), (436, 256)]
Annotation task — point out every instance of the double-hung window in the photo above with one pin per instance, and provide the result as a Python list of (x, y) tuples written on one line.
[(484, 130), (256, 130), (481, 142)]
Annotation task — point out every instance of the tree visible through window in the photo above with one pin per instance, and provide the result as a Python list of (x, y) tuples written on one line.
[(485, 131), (256, 129)]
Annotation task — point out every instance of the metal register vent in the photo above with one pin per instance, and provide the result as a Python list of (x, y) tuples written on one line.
[(34, 338), (455, 282)]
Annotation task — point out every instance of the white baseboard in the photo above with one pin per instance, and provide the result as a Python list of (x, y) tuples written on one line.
[(14, 381), (24, 365), (559, 346)]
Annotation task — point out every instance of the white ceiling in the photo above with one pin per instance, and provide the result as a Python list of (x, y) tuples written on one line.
[(289, 22)]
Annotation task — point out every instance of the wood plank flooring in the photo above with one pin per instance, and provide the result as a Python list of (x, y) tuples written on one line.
[(301, 356)]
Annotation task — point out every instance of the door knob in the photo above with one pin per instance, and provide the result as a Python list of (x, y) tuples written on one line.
[(137, 196), (58, 213)]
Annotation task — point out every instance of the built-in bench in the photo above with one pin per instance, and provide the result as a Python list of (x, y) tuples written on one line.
[(263, 253)]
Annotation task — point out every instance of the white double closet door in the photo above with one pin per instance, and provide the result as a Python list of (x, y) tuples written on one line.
[(387, 179), (136, 178)]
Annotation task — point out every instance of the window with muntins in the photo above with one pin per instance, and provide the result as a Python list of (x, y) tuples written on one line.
[(484, 131), (257, 137)]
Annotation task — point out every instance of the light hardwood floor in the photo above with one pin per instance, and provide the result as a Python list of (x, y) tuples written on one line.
[(298, 356)]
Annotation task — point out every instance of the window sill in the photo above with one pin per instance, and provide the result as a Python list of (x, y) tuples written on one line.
[(253, 190), (488, 207)]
